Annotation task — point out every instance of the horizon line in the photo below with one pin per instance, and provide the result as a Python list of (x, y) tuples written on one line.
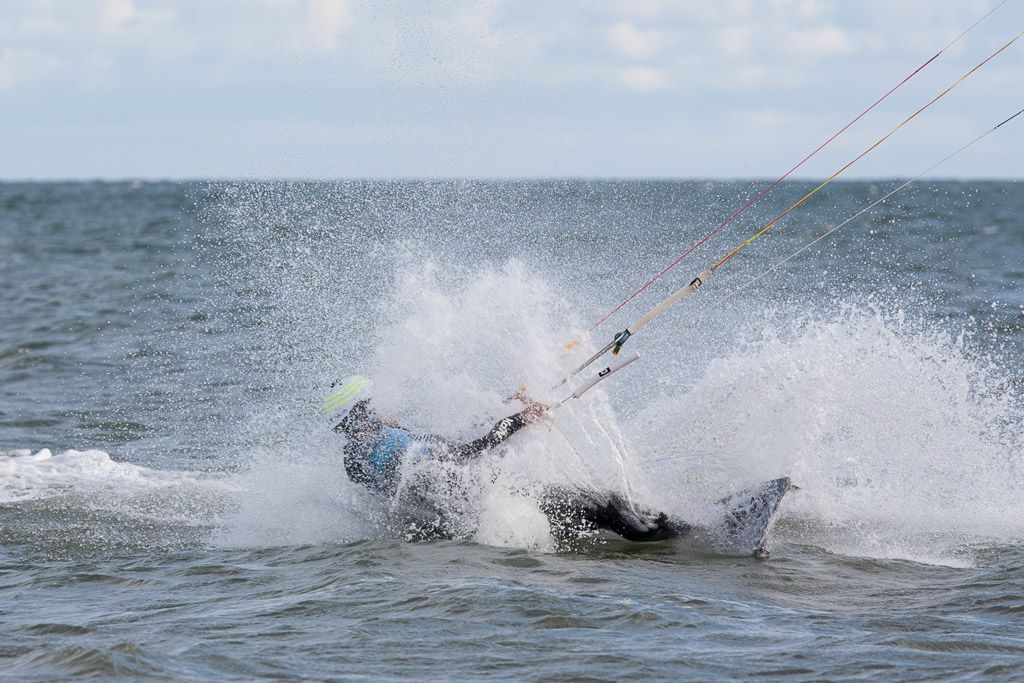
[(483, 179)]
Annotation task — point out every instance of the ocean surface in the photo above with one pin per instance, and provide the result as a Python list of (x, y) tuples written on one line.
[(172, 507)]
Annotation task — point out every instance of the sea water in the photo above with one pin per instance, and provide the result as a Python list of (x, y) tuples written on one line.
[(172, 505)]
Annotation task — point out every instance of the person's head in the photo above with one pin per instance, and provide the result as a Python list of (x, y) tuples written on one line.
[(360, 421), (348, 407)]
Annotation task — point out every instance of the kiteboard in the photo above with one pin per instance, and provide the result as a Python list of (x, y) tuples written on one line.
[(741, 521)]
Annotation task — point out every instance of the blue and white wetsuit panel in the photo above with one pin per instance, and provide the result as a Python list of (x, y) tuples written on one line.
[(392, 444)]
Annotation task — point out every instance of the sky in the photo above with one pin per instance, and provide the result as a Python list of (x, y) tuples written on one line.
[(310, 89)]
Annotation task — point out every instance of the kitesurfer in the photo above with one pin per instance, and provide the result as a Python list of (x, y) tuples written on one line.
[(377, 447)]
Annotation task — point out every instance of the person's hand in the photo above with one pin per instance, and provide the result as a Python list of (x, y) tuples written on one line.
[(518, 396), (533, 411)]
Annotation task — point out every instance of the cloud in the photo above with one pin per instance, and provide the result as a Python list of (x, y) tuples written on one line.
[(644, 78), (736, 40), (637, 44), (19, 66), (117, 12), (507, 70), (471, 42), (789, 42), (328, 19), (826, 40), (769, 119), (92, 45)]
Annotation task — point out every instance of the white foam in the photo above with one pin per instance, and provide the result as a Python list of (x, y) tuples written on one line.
[(878, 418), (294, 498), (509, 518), (27, 476)]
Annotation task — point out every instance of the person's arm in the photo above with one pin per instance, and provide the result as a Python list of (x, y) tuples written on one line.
[(505, 428), (501, 431)]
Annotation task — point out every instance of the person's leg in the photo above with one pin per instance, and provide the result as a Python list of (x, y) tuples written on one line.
[(569, 513), (572, 512), (432, 503)]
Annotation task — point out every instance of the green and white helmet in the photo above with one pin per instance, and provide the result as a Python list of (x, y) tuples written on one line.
[(345, 393)]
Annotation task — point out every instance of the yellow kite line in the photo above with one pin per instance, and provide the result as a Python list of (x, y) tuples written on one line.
[(615, 345), (753, 200), (862, 155), (881, 200)]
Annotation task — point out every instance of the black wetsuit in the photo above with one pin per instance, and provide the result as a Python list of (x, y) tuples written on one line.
[(374, 460), (382, 474)]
